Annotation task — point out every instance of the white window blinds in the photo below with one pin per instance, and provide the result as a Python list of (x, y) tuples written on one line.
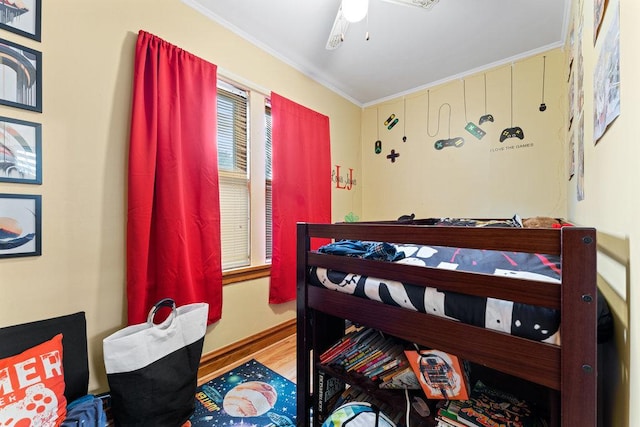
[(233, 176), (268, 225)]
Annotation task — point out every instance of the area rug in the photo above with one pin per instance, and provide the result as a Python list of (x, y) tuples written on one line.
[(250, 395)]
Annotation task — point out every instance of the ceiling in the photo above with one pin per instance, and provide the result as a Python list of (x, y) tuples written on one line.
[(408, 48)]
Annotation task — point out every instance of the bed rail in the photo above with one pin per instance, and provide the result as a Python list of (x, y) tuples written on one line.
[(570, 368)]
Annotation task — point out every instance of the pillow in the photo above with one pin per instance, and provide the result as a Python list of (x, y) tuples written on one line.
[(18, 338), (32, 386)]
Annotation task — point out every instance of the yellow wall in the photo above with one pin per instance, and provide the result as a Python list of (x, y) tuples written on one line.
[(484, 177), (476, 180), (611, 170), (88, 52)]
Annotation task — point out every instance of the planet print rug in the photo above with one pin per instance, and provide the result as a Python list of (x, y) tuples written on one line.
[(250, 395)]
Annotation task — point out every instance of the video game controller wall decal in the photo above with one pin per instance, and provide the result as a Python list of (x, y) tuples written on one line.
[(442, 143), (404, 114), (451, 142), (389, 119), (543, 106), (471, 127), (392, 156), (377, 147), (513, 132), (486, 118), (475, 130)]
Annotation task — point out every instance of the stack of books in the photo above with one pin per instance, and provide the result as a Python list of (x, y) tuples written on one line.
[(488, 407), (370, 353)]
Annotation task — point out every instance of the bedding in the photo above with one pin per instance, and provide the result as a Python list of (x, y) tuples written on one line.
[(532, 322)]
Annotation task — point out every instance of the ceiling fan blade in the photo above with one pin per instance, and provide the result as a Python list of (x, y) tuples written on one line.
[(424, 4), (336, 36)]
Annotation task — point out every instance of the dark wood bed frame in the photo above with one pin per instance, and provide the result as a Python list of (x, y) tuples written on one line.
[(566, 372)]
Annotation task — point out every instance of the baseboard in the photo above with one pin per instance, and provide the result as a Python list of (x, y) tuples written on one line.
[(231, 354)]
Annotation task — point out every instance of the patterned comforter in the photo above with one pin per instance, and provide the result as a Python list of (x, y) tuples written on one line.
[(532, 322)]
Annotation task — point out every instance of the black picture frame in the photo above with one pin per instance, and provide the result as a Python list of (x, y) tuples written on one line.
[(25, 21), (20, 151), (20, 225), (20, 76)]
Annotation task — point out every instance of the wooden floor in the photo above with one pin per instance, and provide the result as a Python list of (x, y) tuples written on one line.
[(279, 357)]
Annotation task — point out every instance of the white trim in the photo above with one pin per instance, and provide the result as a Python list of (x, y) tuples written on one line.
[(468, 73), (257, 43), (309, 73), (241, 81)]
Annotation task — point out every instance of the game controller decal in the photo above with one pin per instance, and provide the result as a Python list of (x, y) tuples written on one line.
[(486, 118), (543, 106), (513, 132), (392, 156), (471, 127), (378, 147), (404, 114), (389, 119), (351, 217), (451, 142), (475, 130)]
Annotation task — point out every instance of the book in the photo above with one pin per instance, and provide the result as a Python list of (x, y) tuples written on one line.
[(395, 352), (445, 422), (328, 387), (440, 374), (381, 353), (393, 368), (405, 378), (346, 345), (491, 407), (449, 413)]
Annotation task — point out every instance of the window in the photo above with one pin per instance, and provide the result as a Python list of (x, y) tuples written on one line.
[(244, 151), (233, 176), (268, 177)]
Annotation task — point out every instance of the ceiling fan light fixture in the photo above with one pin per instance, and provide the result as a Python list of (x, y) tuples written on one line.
[(355, 10), (427, 4)]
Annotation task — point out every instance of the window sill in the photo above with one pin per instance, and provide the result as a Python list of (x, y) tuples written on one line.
[(246, 273)]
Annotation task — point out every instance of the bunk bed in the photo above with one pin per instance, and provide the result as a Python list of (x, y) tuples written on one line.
[(563, 372)]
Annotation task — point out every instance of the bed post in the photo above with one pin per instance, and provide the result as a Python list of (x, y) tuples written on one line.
[(303, 367), (578, 327)]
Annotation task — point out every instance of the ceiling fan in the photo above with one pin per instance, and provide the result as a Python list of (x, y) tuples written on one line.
[(351, 11)]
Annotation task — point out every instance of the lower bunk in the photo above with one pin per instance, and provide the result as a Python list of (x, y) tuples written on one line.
[(560, 376)]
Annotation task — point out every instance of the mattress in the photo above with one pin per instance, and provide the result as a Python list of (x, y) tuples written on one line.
[(527, 321)]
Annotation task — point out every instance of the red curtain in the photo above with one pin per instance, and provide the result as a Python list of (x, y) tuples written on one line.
[(301, 186), (173, 228)]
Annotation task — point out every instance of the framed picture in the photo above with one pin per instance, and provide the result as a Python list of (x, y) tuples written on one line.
[(22, 17), (20, 225), (20, 151), (20, 76)]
